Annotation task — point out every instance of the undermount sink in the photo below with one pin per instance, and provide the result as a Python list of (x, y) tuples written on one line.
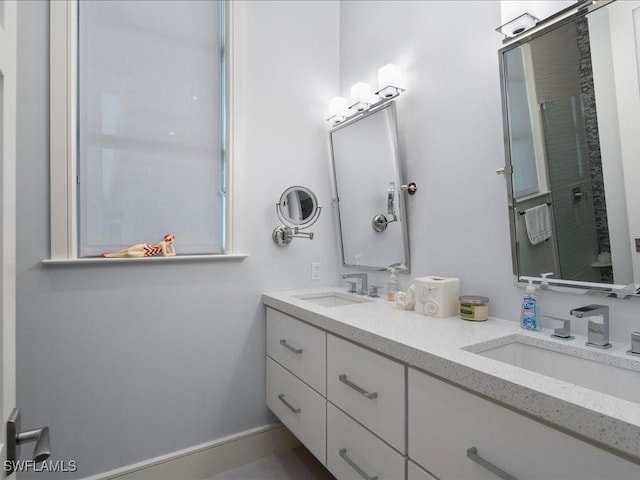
[(332, 299), (600, 371)]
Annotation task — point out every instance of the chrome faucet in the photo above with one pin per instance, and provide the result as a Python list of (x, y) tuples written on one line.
[(597, 333), (364, 288)]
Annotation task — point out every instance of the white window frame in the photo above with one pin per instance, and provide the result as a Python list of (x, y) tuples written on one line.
[(63, 141)]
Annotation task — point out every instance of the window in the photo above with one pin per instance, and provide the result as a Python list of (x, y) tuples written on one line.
[(141, 85), (525, 127)]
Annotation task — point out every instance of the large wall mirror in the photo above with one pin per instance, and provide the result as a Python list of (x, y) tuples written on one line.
[(572, 122), (368, 191)]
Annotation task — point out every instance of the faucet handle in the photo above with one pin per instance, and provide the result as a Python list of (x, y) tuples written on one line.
[(635, 344), (563, 332), (373, 290)]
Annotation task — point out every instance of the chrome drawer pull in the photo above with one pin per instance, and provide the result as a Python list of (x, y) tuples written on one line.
[(343, 453), (295, 410), (472, 453), (284, 343), (343, 378)]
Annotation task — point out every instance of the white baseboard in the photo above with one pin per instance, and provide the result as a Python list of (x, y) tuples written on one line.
[(208, 459)]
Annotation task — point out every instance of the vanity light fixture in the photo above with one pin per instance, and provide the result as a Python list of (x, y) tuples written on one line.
[(338, 109), (362, 98), (518, 25), (389, 81)]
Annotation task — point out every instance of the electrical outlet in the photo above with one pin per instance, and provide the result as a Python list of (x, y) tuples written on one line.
[(315, 271), (358, 259)]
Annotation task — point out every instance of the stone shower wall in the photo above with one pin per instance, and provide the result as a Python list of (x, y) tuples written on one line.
[(593, 143)]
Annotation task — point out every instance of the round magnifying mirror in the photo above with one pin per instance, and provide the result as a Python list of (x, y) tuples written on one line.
[(298, 206)]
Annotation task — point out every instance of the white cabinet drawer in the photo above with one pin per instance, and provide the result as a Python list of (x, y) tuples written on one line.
[(299, 347), (444, 421), (301, 409), (414, 472), (369, 387), (355, 453)]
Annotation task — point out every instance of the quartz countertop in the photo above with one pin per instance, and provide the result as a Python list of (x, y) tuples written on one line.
[(436, 346)]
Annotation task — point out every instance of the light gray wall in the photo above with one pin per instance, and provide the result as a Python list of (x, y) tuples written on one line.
[(451, 141), (450, 130), (128, 362)]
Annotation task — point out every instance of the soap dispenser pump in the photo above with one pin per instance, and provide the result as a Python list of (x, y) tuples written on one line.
[(393, 286), (530, 318)]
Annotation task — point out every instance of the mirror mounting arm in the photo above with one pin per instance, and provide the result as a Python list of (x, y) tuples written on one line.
[(298, 234), (284, 235)]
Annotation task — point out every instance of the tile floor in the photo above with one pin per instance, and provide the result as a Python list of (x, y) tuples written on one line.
[(296, 464)]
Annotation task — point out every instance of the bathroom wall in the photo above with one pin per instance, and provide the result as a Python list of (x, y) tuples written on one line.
[(128, 362), (451, 141), (450, 129)]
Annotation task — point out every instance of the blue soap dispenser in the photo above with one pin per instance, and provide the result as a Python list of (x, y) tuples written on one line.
[(529, 318)]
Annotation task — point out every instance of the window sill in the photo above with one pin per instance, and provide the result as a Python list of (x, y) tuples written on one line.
[(113, 261)]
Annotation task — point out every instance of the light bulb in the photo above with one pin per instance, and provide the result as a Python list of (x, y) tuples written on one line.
[(338, 110), (389, 80), (360, 96)]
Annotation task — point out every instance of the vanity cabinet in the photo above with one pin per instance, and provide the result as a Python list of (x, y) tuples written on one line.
[(415, 472), (369, 387), (300, 408), (296, 379), (365, 416), (444, 421), (345, 403), (298, 347), (353, 452)]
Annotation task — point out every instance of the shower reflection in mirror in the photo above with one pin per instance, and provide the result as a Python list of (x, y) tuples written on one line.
[(568, 210)]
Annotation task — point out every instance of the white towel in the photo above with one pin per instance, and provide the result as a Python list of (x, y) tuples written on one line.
[(538, 223)]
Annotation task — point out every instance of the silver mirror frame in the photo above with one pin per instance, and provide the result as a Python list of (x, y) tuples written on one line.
[(284, 234), (305, 223), (563, 17), (405, 264)]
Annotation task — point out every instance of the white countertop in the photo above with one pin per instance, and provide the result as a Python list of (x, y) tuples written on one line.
[(435, 345)]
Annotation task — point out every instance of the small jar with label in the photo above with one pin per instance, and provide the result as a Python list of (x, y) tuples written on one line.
[(474, 308)]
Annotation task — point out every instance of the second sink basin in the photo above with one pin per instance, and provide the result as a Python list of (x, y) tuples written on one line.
[(333, 299), (595, 370)]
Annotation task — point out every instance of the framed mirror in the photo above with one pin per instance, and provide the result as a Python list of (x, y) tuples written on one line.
[(571, 154), (368, 191), (298, 210), (297, 206)]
